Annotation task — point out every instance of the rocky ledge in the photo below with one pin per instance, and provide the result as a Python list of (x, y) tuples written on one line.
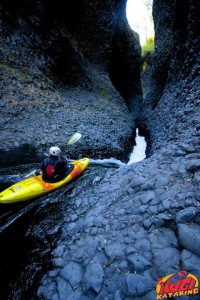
[(143, 224), (106, 126), (60, 76)]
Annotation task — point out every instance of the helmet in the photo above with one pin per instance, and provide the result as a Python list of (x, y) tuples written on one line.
[(55, 151)]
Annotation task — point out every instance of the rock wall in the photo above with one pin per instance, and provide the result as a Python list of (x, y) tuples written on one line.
[(172, 105), (143, 222), (140, 223), (58, 69)]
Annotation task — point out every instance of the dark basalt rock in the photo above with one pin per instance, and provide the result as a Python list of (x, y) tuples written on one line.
[(140, 218), (172, 105), (59, 75)]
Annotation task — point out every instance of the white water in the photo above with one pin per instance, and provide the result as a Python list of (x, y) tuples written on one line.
[(108, 162), (138, 154), (139, 150)]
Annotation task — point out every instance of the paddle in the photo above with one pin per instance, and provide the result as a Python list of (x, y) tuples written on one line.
[(73, 139)]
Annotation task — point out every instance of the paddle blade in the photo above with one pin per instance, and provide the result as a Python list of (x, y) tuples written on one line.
[(75, 137)]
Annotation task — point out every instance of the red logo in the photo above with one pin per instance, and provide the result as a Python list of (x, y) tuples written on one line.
[(177, 284)]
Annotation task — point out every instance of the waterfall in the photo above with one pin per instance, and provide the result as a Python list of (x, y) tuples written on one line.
[(139, 150)]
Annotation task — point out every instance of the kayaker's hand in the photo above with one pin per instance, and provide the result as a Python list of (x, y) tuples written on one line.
[(38, 172)]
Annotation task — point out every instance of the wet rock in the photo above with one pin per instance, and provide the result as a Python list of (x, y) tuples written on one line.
[(73, 273), (118, 295), (186, 215), (197, 177), (189, 237), (137, 284), (147, 224), (190, 262), (48, 292), (138, 263), (147, 197), (193, 166), (64, 288), (114, 250), (197, 194), (93, 277), (76, 295)]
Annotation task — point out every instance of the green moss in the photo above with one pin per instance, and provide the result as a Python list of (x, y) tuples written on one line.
[(103, 92), (13, 56), (44, 84), (14, 72), (148, 46), (147, 53), (23, 75)]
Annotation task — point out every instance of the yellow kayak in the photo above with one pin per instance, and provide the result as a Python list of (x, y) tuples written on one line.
[(34, 186)]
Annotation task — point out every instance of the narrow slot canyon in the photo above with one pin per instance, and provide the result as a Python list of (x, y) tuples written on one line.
[(123, 226)]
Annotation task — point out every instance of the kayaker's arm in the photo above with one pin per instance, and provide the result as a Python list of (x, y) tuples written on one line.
[(39, 171), (74, 138), (30, 174)]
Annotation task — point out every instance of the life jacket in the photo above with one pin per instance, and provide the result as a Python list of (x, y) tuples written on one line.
[(50, 168)]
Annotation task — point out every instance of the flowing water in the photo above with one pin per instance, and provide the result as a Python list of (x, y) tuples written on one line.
[(138, 154), (139, 151), (24, 249)]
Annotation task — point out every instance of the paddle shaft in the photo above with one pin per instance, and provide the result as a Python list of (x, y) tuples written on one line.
[(74, 138)]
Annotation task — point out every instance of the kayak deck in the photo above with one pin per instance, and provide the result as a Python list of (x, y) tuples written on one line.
[(35, 186)]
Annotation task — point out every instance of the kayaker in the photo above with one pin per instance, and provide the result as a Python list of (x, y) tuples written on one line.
[(54, 167)]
